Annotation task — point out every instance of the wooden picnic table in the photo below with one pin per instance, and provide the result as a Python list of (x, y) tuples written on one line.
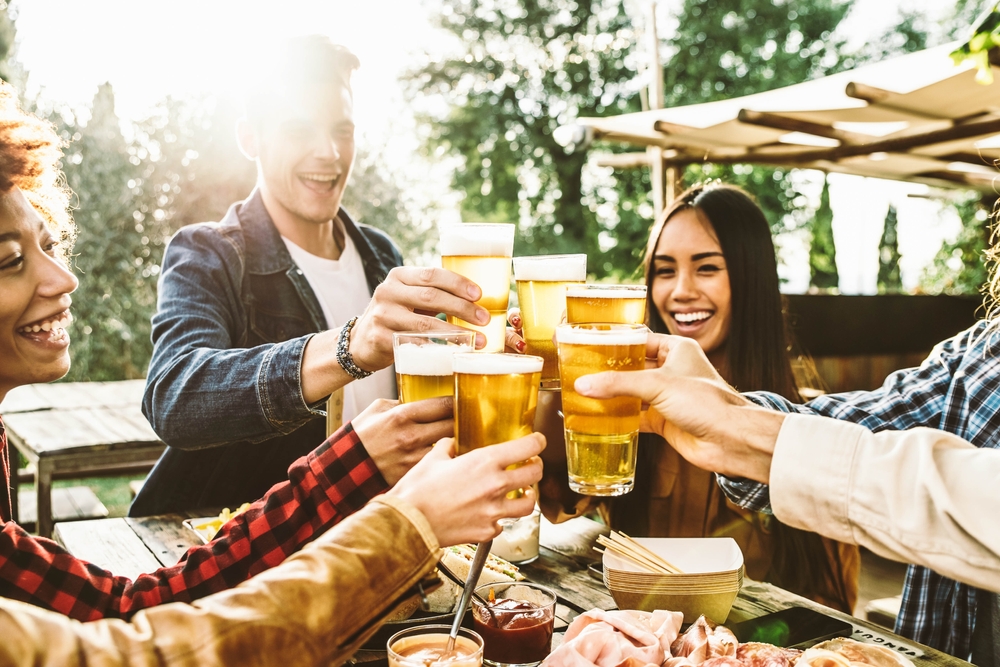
[(131, 546), (76, 429)]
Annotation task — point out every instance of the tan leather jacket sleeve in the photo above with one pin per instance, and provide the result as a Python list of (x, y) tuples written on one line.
[(920, 496), (314, 609)]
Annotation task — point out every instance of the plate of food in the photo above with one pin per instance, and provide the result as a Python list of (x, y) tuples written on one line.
[(206, 527)]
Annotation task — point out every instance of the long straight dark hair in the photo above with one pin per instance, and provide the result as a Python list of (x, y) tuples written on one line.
[(757, 346)]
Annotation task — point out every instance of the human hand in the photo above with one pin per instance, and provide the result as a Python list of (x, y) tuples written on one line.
[(514, 338), (408, 300), (397, 435), (708, 422), (463, 497)]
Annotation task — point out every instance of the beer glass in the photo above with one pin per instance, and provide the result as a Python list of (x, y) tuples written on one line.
[(541, 291), (423, 362), (601, 434), (481, 252), (495, 398), (620, 304)]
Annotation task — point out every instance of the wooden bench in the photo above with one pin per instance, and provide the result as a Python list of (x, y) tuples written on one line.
[(77, 429), (74, 503)]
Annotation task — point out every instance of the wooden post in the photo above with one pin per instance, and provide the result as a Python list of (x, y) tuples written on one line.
[(657, 174)]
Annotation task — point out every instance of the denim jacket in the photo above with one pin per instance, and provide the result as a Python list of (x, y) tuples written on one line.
[(224, 388)]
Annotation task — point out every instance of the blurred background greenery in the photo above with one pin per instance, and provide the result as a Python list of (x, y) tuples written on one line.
[(524, 68)]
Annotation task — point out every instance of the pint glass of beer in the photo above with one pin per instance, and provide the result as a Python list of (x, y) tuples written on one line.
[(481, 252), (423, 362), (601, 434), (620, 304), (495, 398), (541, 291)]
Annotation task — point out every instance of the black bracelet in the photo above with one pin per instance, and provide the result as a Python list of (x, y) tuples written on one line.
[(344, 357)]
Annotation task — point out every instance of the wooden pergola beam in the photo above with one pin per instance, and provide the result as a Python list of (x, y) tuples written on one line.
[(780, 122)]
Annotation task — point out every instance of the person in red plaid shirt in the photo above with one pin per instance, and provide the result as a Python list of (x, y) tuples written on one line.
[(333, 481)]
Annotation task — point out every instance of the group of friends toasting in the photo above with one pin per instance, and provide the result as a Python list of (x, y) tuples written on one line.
[(279, 319)]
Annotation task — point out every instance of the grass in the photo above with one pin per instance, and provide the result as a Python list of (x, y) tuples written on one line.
[(112, 491)]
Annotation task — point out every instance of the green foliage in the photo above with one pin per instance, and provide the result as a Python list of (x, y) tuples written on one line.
[(822, 252), (959, 267), (525, 68), (889, 280), (985, 38)]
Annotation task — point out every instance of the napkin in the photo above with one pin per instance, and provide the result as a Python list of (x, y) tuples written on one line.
[(600, 638)]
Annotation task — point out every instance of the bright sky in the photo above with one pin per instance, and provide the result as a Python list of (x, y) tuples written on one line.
[(148, 50)]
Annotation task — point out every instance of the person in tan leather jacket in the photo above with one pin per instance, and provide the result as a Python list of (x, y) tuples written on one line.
[(322, 603)]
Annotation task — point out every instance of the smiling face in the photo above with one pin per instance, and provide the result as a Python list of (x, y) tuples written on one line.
[(34, 298), (690, 285), (305, 150)]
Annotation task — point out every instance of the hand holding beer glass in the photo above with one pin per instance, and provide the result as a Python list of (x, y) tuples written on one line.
[(424, 360), (482, 252), (496, 396), (601, 434), (542, 282)]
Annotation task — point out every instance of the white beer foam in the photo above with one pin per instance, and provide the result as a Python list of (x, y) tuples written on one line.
[(610, 292), (614, 336), (496, 364), (429, 359), (551, 268), (477, 239)]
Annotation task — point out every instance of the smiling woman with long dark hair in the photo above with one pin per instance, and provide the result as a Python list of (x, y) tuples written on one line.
[(712, 276)]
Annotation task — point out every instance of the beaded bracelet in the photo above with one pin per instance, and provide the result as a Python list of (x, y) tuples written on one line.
[(344, 357)]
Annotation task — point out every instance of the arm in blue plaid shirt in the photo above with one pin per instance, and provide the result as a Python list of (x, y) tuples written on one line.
[(957, 390)]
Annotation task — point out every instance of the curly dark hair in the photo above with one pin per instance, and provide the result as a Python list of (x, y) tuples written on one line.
[(30, 150)]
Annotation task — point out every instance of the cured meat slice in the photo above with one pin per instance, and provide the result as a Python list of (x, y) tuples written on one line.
[(704, 641), (867, 654), (757, 654), (723, 661)]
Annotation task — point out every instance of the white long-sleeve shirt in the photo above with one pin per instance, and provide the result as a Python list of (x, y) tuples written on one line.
[(918, 496)]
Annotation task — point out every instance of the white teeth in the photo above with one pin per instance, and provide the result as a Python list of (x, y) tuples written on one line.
[(321, 177), (687, 318), (50, 325)]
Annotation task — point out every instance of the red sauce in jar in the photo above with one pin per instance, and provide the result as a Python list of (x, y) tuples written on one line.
[(518, 632)]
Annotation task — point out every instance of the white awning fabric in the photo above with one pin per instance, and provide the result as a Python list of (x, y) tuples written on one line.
[(918, 117)]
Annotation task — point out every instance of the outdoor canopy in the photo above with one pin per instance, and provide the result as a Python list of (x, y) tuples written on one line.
[(918, 118)]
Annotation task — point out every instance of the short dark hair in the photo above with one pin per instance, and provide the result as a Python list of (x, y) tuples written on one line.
[(295, 64), (758, 343)]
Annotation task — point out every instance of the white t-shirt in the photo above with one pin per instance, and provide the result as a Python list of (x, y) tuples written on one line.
[(342, 290)]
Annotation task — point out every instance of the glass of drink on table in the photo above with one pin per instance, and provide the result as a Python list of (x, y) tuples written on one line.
[(601, 434), (425, 646), (541, 292), (619, 304), (516, 623), (496, 396), (481, 252), (423, 362)]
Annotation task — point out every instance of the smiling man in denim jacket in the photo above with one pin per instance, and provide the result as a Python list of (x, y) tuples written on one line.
[(286, 301)]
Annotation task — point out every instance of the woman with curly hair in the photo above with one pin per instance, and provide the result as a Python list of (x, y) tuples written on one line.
[(317, 607)]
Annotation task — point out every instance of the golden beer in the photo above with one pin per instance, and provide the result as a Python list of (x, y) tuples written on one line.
[(481, 252), (620, 304), (423, 362), (541, 291), (601, 434), (495, 398)]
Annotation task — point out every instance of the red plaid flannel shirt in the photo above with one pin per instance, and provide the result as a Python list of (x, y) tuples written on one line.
[(333, 481)]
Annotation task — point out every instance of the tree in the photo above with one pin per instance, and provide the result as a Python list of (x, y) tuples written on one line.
[(526, 67), (960, 267), (889, 280), (822, 250)]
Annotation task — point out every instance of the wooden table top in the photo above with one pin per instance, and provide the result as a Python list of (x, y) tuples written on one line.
[(75, 417), (131, 546)]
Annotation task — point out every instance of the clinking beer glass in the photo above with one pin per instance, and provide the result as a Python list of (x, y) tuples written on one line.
[(481, 252), (496, 396), (621, 304), (601, 434), (423, 362), (542, 282)]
